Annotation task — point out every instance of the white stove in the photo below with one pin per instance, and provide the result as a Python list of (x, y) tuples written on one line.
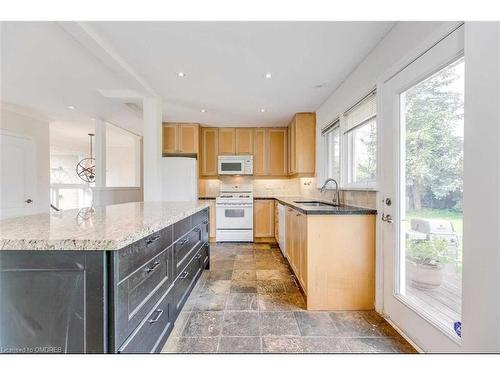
[(234, 216)]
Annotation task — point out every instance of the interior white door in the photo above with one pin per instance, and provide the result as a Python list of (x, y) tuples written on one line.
[(421, 158), (17, 176)]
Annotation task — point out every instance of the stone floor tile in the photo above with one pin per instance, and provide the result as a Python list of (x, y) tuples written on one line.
[(220, 275), (270, 286), (243, 286), (240, 323), (209, 301), (315, 324), (244, 275), (216, 287), (221, 265), (242, 301), (244, 265), (192, 345), (282, 345), (239, 344), (373, 345), (324, 345), (203, 324), (352, 324), (180, 323), (281, 302), (272, 275), (278, 324)]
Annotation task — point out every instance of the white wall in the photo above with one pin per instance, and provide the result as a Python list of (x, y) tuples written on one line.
[(14, 121), (103, 196), (481, 270), (403, 38)]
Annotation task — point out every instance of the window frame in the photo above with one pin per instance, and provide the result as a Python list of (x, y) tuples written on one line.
[(325, 148)]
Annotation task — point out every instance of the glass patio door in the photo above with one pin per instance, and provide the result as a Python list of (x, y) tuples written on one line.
[(422, 185)]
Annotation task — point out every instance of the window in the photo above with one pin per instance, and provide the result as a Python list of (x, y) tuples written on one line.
[(361, 143), (331, 139)]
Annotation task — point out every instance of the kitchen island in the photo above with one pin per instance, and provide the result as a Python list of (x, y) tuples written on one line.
[(103, 280)]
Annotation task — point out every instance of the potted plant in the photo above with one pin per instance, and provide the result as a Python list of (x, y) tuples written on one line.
[(425, 260)]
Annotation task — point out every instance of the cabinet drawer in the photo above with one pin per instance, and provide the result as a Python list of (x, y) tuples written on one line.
[(137, 293), (182, 227), (185, 283), (153, 331), (137, 254), (200, 217), (184, 249)]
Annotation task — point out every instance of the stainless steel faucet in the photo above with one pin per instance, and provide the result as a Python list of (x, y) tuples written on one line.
[(336, 201)]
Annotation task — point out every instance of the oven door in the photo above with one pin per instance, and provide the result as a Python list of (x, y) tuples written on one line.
[(232, 216), (231, 166)]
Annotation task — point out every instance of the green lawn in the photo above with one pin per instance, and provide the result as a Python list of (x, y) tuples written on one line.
[(431, 213)]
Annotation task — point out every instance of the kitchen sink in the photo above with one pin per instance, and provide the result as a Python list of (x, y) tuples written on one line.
[(314, 204)]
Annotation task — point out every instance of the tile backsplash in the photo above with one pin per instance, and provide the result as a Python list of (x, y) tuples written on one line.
[(304, 187)]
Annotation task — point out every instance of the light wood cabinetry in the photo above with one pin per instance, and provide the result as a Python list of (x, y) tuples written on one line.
[(270, 152), (243, 141), (263, 217), (211, 218), (227, 141), (333, 258), (208, 152), (302, 144), (180, 138)]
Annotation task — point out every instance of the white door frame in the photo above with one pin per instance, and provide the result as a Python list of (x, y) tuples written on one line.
[(439, 340)]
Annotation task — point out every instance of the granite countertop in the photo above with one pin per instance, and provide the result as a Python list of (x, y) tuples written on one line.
[(324, 210), (106, 228), (311, 210)]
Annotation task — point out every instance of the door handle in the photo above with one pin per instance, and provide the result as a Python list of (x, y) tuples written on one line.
[(387, 218), (29, 200)]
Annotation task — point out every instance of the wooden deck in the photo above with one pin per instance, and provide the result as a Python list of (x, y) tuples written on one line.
[(443, 303)]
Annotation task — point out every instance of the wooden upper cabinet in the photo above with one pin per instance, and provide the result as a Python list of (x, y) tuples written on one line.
[(180, 138), (259, 152), (263, 218), (227, 141), (302, 143), (169, 138), (188, 138), (208, 152), (244, 141), (277, 155)]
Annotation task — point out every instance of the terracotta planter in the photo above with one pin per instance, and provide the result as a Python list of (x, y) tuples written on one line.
[(424, 276)]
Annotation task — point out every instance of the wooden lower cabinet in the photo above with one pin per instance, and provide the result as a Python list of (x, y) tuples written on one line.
[(263, 218), (333, 258)]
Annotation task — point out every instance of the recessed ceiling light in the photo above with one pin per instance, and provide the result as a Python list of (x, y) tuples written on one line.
[(181, 74), (262, 110), (203, 110), (268, 75), (72, 107)]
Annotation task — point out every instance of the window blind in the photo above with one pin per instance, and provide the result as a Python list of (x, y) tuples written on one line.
[(361, 112), (335, 123)]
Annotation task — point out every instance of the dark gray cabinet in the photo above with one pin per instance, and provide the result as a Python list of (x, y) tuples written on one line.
[(101, 301)]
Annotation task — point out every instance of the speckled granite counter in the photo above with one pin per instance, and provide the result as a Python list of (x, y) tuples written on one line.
[(323, 210), (106, 228)]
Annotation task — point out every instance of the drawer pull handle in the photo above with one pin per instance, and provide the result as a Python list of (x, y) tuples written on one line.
[(184, 241), (184, 275), (153, 266), (197, 256), (197, 230), (159, 313), (205, 222), (149, 241)]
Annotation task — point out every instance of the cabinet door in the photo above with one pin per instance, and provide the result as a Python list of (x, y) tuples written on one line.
[(170, 138), (305, 149), (303, 252), (288, 233), (209, 151), (188, 138), (259, 152), (263, 218), (276, 221), (296, 241), (227, 141), (244, 141), (277, 155), (292, 155), (211, 214)]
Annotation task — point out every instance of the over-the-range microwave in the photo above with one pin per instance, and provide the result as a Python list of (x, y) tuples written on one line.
[(235, 164)]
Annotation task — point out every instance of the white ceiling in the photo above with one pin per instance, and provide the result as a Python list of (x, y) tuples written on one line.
[(226, 62), (48, 66)]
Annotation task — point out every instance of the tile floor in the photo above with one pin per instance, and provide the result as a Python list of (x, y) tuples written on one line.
[(249, 302)]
